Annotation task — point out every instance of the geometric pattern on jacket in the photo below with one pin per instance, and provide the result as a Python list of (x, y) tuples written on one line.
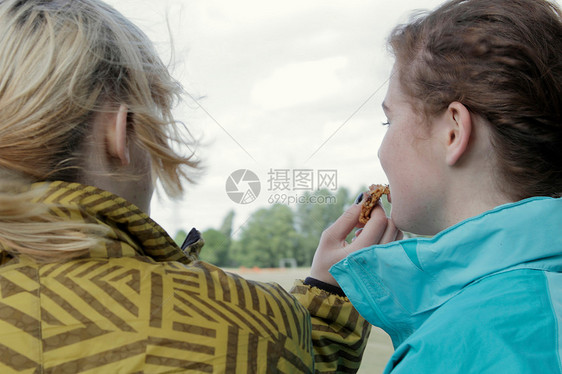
[(129, 315), (138, 304)]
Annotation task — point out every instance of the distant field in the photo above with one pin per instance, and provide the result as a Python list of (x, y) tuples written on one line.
[(379, 349)]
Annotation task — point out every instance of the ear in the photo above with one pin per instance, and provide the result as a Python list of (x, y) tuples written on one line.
[(458, 132), (116, 136)]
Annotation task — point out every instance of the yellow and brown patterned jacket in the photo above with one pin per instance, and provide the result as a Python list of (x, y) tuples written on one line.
[(139, 304)]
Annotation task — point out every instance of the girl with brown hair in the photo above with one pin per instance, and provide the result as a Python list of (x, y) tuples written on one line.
[(473, 155)]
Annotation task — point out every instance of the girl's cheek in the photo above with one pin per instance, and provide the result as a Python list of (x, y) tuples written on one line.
[(383, 152)]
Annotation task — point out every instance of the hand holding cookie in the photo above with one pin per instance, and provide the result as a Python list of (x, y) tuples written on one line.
[(333, 247)]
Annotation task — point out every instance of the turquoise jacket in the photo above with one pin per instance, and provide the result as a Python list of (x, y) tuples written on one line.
[(484, 296)]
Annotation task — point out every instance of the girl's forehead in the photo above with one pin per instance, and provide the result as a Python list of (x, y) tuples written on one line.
[(395, 95)]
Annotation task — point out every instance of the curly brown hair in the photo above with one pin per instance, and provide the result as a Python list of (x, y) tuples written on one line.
[(502, 59)]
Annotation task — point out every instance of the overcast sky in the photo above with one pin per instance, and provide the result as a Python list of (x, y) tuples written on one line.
[(280, 86)]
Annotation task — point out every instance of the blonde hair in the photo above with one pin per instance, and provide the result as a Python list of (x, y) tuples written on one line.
[(61, 62)]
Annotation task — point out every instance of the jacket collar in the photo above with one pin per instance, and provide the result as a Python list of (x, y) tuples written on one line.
[(130, 232), (398, 285)]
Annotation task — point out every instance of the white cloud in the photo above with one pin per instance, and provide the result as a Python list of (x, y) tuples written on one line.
[(314, 62), (299, 83)]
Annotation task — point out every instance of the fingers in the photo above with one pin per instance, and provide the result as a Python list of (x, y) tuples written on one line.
[(390, 234), (339, 230), (374, 229), (378, 230), (333, 246)]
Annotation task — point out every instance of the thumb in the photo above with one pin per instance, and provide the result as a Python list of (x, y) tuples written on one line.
[(339, 230)]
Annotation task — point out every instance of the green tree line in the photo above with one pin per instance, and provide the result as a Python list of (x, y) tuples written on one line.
[(274, 233)]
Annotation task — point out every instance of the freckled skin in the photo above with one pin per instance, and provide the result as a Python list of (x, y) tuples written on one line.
[(410, 156)]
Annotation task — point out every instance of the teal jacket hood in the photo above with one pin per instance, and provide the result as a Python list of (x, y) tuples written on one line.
[(397, 286)]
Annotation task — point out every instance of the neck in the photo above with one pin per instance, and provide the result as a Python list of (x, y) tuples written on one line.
[(468, 196), (471, 185)]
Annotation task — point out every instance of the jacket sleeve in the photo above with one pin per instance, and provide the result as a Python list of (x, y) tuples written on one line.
[(339, 333)]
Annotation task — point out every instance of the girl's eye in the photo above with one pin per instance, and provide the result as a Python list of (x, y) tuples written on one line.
[(387, 123)]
